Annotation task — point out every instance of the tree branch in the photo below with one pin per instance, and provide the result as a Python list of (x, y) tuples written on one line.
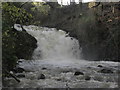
[(96, 5), (12, 75)]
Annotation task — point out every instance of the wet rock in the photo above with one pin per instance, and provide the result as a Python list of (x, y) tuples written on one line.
[(20, 60), (44, 68), (65, 71), (99, 66), (89, 67), (87, 78), (58, 79), (18, 70), (42, 76), (78, 73), (106, 71), (98, 78), (20, 75)]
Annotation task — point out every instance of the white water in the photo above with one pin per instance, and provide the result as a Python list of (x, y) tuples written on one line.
[(60, 55), (53, 44)]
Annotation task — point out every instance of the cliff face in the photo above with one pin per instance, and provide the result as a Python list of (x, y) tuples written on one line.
[(95, 28)]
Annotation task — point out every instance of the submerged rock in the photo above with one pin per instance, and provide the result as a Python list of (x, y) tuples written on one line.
[(87, 78), (105, 70), (98, 78), (20, 75), (78, 73), (42, 76), (18, 70)]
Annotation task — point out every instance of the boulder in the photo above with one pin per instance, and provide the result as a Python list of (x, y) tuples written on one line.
[(99, 66)]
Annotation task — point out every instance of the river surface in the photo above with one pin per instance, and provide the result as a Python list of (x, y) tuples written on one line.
[(58, 58)]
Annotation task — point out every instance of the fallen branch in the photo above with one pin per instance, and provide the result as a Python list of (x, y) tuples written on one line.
[(12, 76)]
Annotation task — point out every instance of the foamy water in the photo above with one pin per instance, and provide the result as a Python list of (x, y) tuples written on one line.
[(53, 44)]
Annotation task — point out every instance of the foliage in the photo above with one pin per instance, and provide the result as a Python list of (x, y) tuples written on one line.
[(41, 7), (11, 14), (8, 57), (42, 11)]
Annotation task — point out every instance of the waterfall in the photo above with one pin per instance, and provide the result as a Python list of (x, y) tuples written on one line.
[(53, 44), (57, 57)]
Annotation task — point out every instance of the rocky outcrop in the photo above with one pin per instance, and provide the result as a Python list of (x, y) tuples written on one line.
[(25, 45)]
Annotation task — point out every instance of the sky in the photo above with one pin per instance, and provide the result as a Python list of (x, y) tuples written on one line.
[(67, 2)]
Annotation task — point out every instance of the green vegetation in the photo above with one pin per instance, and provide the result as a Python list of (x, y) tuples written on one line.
[(11, 14)]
